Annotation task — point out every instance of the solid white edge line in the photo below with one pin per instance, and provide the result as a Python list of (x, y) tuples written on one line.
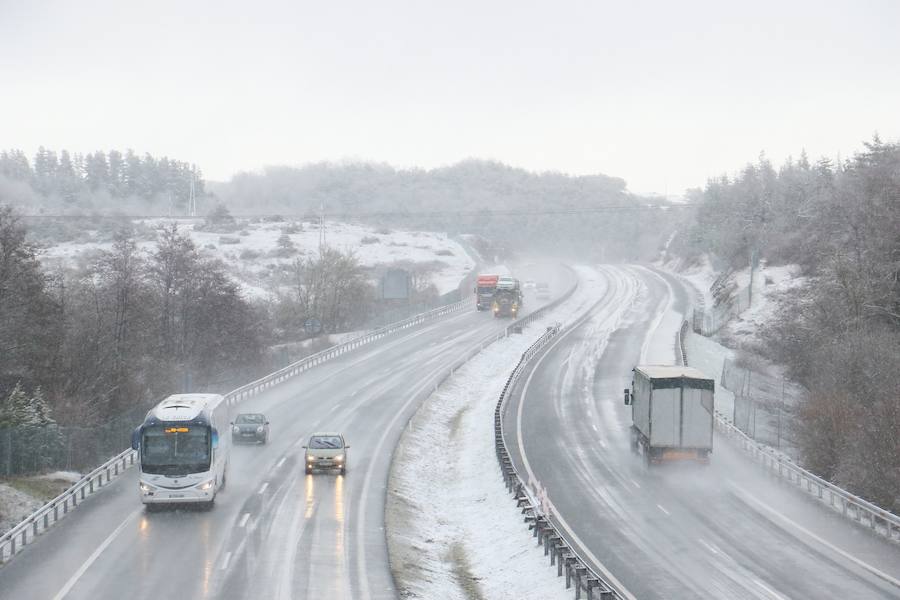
[(878, 573), (93, 557), (559, 518)]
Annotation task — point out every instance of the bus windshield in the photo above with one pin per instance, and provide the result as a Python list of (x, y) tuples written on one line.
[(175, 449)]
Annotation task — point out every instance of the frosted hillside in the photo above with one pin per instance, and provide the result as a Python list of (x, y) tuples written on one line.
[(254, 250)]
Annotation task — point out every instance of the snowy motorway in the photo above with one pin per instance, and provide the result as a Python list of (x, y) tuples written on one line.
[(274, 532), (722, 531)]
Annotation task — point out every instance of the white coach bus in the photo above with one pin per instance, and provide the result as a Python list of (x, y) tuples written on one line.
[(183, 445)]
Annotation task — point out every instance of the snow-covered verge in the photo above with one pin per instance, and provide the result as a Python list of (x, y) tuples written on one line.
[(25, 495), (15, 506), (709, 356), (453, 530), (253, 250), (770, 283)]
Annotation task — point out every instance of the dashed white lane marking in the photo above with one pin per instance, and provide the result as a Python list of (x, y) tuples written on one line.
[(636, 484), (280, 462), (594, 425), (243, 520), (770, 590), (660, 507), (708, 546), (263, 488), (93, 557), (225, 561)]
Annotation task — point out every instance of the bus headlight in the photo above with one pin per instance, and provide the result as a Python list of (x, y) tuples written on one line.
[(145, 487), (206, 485)]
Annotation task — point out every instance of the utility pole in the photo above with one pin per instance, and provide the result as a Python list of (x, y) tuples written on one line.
[(192, 200), (322, 226)]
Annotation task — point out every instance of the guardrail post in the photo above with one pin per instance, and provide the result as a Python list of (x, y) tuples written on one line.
[(570, 566), (580, 571)]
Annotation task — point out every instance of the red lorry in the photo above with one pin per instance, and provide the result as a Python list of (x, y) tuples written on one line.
[(485, 286)]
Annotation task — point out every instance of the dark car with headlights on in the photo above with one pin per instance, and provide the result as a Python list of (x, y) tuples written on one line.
[(326, 451), (250, 427)]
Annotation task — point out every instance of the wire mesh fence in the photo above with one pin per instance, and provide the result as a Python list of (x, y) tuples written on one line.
[(27, 449), (764, 405), (707, 321)]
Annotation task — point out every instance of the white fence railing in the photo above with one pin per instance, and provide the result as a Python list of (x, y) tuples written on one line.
[(45, 517), (852, 507), (838, 499)]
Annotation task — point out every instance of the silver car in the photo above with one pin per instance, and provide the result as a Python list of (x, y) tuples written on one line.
[(326, 451)]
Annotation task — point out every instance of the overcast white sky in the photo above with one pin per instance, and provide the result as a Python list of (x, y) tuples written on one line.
[(662, 94)]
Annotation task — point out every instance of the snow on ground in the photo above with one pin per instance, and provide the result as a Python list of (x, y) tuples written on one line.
[(15, 506), (709, 356), (700, 276), (68, 476), (252, 249), (473, 543), (769, 282)]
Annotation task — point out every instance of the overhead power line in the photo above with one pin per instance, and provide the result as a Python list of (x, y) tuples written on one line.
[(404, 214)]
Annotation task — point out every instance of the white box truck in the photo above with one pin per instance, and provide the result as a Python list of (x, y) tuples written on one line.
[(672, 413)]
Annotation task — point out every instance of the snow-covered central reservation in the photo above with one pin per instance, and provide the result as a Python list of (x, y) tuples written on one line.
[(252, 249), (454, 531)]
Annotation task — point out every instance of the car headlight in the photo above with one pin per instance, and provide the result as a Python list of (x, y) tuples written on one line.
[(235, 429), (146, 487), (206, 485), (310, 458), (339, 458), (259, 429)]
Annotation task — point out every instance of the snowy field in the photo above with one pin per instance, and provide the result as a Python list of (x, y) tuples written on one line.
[(473, 544), (252, 250)]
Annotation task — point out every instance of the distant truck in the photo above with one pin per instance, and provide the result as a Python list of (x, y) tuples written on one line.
[(506, 303), (672, 411), (485, 286)]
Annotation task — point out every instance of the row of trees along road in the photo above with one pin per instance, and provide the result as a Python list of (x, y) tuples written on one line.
[(839, 334), (86, 352), (98, 346)]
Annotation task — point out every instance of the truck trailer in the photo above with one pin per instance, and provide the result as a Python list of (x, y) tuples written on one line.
[(672, 413)]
